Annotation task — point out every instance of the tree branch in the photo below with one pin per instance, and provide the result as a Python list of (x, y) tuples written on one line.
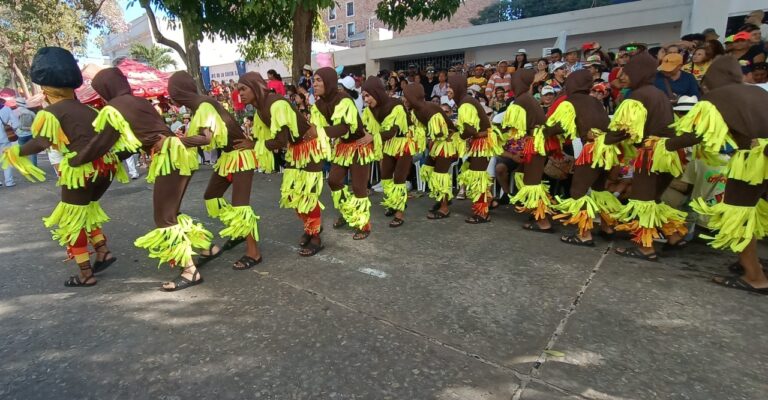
[(96, 10), (159, 36)]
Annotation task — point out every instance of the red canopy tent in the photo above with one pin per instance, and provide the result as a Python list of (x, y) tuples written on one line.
[(145, 81)]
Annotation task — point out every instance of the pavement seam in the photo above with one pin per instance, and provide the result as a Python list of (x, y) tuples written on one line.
[(403, 328), (533, 374)]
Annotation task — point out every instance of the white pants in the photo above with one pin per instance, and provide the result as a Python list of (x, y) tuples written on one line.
[(7, 172), (130, 163)]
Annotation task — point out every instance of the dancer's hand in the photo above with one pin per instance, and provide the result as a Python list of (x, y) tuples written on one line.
[(365, 139), (273, 144), (481, 134), (613, 137), (244, 144)]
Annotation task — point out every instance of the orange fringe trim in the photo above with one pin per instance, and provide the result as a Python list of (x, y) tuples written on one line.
[(640, 235), (305, 150), (539, 213), (674, 227), (586, 156), (349, 150), (481, 207), (582, 219)]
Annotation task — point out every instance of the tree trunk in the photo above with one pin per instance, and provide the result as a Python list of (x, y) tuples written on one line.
[(22, 80), (193, 57), (303, 20)]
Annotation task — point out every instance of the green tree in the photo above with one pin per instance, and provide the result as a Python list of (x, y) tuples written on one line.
[(26, 25), (508, 10), (155, 56)]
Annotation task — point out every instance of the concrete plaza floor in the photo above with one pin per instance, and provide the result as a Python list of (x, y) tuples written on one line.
[(432, 310)]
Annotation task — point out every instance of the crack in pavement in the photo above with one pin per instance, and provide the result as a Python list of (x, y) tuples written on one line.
[(533, 374)]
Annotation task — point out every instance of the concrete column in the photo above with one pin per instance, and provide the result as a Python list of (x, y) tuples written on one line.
[(707, 14)]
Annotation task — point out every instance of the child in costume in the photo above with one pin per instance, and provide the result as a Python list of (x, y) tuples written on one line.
[(335, 114), (484, 143), (733, 113), (641, 125), (66, 126), (429, 120), (583, 116), (386, 120), (173, 161), (525, 119), (234, 167), (278, 124)]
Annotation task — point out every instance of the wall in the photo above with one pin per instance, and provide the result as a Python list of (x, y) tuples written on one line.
[(469, 9)]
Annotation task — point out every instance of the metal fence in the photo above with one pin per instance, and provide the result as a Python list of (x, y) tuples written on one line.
[(439, 62)]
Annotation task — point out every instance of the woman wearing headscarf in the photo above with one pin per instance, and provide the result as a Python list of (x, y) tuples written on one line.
[(234, 167), (385, 118), (733, 114), (174, 159), (280, 125), (428, 120), (474, 126), (583, 116), (66, 126), (334, 115), (642, 125), (525, 119)]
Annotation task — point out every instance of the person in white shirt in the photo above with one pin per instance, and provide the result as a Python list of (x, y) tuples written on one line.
[(441, 88), (7, 117)]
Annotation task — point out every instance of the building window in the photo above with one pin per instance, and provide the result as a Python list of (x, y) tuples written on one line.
[(332, 14), (332, 32), (350, 9), (350, 29)]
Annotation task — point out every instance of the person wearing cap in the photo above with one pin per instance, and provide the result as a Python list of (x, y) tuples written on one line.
[(347, 84), (572, 60), (581, 116), (499, 101), (429, 82), (732, 114), (547, 97), (25, 117), (500, 78), (633, 48), (478, 77), (759, 74), (335, 115), (559, 71), (710, 34), (639, 131), (521, 58), (746, 52), (673, 81), (68, 125), (394, 143)]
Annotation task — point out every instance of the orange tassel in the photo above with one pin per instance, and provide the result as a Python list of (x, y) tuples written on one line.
[(581, 219), (586, 156)]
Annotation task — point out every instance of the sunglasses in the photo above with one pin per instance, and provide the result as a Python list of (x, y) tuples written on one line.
[(632, 48)]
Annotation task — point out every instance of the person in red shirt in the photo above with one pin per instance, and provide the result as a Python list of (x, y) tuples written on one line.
[(237, 103), (275, 82)]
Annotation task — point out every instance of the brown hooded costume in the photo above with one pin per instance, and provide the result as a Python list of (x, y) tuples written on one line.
[(475, 179), (354, 207), (302, 180), (645, 217), (741, 107), (435, 173), (395, 167), (535, 117), (589, 115), (66, 126)]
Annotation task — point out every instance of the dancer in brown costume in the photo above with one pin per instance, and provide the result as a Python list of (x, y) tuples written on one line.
[(335, 113), (303, 179), (643, 123), (234, 168), (583, 116), (428, 120), (733, 113), (385, 118), (173, 160), (483, 144), (525, 119), (66, 125)]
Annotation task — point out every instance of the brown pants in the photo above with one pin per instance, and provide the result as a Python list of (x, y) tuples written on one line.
[(359, 181), (586, 177), (91, 192), (396, 168), (241, 187), (166, 198)]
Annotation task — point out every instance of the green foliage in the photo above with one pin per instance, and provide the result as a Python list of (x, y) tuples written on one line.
[(154, 56), (395, 13), (508, 10)]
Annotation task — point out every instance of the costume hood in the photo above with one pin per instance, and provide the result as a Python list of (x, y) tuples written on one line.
[(110, 83)]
